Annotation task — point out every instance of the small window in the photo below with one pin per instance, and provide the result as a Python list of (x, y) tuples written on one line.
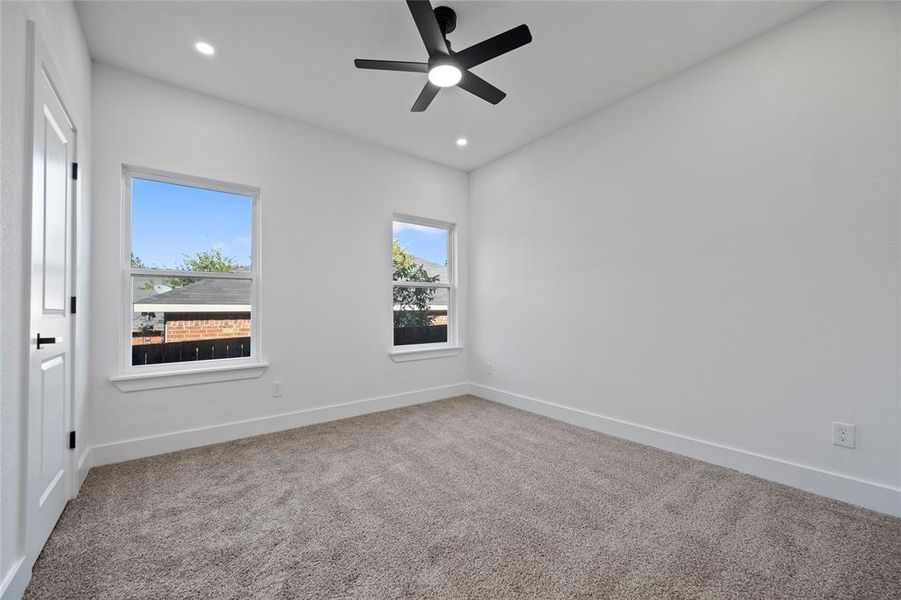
[(190, 273), (423, 283)]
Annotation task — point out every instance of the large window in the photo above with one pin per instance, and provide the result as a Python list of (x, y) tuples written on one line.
[(423, 283), (190, 273)]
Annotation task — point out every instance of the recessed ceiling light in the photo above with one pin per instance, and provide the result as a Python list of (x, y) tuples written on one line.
[(462, 142), (204, 48)]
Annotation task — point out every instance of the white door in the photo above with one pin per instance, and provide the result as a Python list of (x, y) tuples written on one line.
[(49, 406)]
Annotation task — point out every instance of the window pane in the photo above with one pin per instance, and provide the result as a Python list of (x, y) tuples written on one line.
[(188, 319), (183, 227), (419, 253), (420, 315)]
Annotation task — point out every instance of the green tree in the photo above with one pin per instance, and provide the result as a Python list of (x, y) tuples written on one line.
[(210, 261), (138, 263), (413, 302)]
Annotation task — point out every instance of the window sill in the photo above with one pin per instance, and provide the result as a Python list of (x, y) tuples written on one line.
[(165, 379), (424, 353)]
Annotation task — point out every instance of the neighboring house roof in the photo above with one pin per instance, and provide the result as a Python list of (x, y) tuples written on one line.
[(440, 299), (144, 287), (231, 295), (433, 268), (204, 295)]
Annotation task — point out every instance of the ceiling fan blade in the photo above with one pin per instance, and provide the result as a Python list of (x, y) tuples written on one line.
[(494, 47), (481, 88), (391, 65), (426, 96), (428, 27)]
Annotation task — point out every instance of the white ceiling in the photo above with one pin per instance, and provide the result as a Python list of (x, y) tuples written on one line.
[(295, 59)]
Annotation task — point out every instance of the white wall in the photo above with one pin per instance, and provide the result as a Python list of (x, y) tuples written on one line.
[(327, 203), (715, 257), (57, 24)]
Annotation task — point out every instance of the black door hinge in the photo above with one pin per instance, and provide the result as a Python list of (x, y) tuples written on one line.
[(71, 440), (75, 170), (72, 305)]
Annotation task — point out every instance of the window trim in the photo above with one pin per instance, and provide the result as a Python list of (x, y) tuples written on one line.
[(438, 349), (151, 376)]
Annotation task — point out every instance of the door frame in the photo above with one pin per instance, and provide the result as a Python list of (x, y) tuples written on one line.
[(39, 63)]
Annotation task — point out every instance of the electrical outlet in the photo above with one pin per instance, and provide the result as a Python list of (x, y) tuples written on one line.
[(489, 368), (276, 389), (844, 434)]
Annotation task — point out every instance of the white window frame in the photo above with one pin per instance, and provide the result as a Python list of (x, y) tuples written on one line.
[(138, 377), (439, 349)]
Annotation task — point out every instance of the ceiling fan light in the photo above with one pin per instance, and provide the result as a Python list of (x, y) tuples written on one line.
[(445, 75), (205, 48)]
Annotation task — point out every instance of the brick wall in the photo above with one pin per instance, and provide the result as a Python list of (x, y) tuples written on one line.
[(153, 337), (184, 327)]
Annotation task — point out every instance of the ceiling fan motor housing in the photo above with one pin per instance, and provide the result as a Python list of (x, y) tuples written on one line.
[(447, 19)]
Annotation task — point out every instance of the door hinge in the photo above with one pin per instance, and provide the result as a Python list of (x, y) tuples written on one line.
[(72, 305), (71, 440), (75, 170)]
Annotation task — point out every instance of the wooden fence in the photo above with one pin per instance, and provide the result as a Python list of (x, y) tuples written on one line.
[(173, 352), (428, 334)]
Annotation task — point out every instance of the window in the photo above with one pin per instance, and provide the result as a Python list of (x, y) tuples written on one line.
[(190, 273), (423, 284)]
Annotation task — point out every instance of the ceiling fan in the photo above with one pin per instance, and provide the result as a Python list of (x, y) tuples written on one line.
[(445, 67)]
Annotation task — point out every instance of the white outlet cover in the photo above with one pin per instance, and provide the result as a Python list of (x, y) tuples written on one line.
[(276, 389), (844, 434)]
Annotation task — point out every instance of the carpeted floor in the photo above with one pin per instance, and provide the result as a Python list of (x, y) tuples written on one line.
[(459, 498)]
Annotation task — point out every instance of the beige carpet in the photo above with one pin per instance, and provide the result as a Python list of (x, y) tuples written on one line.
[(460, 498)]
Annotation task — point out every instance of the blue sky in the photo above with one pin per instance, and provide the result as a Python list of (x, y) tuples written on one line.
[(429, 243), (169, 221)]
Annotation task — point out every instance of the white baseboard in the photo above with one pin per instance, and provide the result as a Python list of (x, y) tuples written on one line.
[(85, 462), (869, 494), (16, 580), (114, 452)]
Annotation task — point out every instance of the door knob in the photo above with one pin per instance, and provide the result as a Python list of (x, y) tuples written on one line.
[(47, 340)]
